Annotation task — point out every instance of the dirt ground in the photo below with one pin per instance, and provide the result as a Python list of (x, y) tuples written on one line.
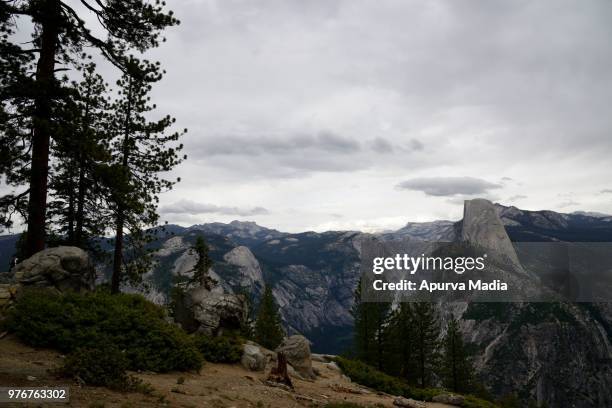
[(216, 385)]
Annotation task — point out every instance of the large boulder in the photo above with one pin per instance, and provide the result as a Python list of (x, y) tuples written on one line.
[(408, 403), (63, 268), (449, 399), (297, 350), (256, 357), (8, 294), (209, 312)]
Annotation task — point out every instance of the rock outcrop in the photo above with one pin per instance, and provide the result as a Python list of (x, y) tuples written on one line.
[(245, 261), (211, 313), (8, 294), (253, 358), (63, 268), (297, 350), (482, 226)]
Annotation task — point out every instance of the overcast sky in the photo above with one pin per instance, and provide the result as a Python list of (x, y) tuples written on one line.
[(317, 115)]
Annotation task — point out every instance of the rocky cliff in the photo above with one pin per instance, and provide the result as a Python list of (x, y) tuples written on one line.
[(555, 353)]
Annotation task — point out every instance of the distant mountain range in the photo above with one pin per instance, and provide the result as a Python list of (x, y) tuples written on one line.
[(526, 348)]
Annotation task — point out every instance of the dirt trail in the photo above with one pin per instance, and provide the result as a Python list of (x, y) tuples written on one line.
[(216, 385)]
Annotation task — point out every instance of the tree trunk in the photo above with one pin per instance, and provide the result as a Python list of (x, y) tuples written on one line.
[(118, 256), (71, 200), (81, 185), (45, 79), (78, 235)]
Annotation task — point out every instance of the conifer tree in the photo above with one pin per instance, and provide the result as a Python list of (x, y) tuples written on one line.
[(268, 327), (426, 329), (456, 369), (79, 207), (59, 35), (201, 276), (371, 336), (401, 333), (141, 150), (15, 122)]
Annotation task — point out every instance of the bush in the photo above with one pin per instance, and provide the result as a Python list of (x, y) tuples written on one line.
[(72, 321), (364, 374), (225, 349), (103, 366), (368, 376), (474, 402)]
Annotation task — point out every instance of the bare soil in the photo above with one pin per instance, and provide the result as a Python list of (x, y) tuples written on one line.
[(216, 385)]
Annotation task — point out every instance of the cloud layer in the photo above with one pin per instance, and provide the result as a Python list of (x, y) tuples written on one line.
[(449, 186), (325, 107), (194, 208)]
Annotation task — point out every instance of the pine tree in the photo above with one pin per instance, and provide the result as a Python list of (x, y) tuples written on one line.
[(15, 122), (79, 209), (268, 327), (456, 369), (59, 35), (371, 336), (141, 149), (201, 276), (426, 330), (401, 333)]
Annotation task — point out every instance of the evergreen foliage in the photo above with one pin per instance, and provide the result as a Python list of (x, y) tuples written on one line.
[(72, 321), (224, 349), (402, 338), (268, 326), (36, 109), (78, 182), (140, 151), (371, 335), (426, 329), (203, 264), (456, 369)]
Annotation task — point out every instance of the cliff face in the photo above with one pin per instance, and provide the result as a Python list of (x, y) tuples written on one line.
[(482, 226), (554, 353)]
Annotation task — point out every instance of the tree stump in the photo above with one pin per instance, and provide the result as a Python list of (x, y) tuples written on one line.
[(279, 373)]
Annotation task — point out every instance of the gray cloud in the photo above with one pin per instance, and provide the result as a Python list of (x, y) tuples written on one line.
[(253, 145), (294, 102), (606, 191), (449, 186), (517, 197), (381, 145), (195, 208), (568, 203)]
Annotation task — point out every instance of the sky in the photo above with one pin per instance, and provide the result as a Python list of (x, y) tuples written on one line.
[(365, 115)]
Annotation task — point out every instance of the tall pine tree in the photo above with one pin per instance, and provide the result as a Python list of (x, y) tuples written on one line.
[(426, 330), (456, 369), (142, 149), (268, 327), (16, 109), (79, 210), (370, 335), (59, 35), (401, 334), (201, 276)]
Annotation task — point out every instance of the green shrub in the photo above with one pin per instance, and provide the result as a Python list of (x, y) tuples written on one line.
[(364, 374), (473, 402), (368, 376), (225, 349), (74, 321), (103, 366)]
